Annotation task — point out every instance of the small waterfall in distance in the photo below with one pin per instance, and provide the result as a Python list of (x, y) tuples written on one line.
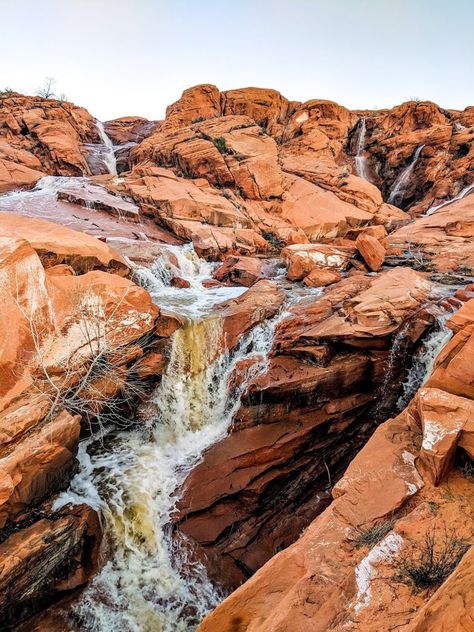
[(360, 159), (399, 188), (108, 156), (462, 194)]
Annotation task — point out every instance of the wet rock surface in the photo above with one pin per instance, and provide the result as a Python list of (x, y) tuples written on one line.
[(338, 224)]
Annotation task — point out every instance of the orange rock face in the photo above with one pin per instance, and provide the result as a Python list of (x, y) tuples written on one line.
[(341, 573), (442, 241), (49, 136), (61, 320), (371, 250), (313, 499), (256, 489), (302, 260)]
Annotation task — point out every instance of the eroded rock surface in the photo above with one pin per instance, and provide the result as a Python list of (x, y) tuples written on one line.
[(301, 421), (73, 332), (339, 577)]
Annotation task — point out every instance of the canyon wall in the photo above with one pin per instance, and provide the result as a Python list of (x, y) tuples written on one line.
[(355, 227)]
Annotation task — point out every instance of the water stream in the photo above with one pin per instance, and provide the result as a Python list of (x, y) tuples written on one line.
[(399, 188), (360, 158), (424, 358), (462, 194), (108, 156), (131, 477)]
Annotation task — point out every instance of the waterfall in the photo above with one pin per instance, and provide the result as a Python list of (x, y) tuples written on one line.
[(462, 194), (109, 155), (149, 582), (399, 188), (424, 359), (360, 159)]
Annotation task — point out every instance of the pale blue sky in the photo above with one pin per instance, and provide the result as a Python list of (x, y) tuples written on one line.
[(122, 57)]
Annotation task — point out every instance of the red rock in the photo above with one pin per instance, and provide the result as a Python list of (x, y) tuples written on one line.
[(42, 464), (17, 176), (320, 278), (371, 250), (303, 259), (428, 241), (242, 270), (383, 477), (129, 129), (47, 560), (179, 282), (239, 315), (444, 418), (56, 245)]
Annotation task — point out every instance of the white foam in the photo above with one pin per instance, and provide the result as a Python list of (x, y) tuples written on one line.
[(150, 583)]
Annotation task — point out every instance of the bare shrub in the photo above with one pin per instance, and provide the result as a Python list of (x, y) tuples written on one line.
[(431, 564), (46, 90), (91, 380)]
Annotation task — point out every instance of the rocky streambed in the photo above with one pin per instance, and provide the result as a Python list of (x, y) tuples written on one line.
[(227, 364)]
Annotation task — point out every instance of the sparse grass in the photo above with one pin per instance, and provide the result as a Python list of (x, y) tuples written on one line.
[(221, 145), (430, 564), (371, 536), (434, 506)]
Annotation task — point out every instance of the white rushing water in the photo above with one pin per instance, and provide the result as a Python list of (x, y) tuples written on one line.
[(360, 159), (462, 194), (108, 156), (149, 584), (423, 360), (400, 185)]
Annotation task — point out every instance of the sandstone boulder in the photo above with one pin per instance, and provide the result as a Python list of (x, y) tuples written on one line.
[(303, 259), (371, 250)]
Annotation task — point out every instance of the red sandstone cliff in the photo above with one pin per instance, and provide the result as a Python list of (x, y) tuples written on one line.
[(248, 177)]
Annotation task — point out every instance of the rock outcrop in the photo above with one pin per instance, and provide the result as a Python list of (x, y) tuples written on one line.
[(301, 421), (77, 333), (353, 566)]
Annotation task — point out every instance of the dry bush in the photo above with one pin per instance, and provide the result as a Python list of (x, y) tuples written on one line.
[(430, 564)]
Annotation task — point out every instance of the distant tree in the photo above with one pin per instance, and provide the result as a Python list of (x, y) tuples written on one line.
[(5, 92), (46, 90)]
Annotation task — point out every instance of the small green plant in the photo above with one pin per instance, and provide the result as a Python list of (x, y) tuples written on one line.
[(272, 239), (198, 119), (221, 145), (430, 564), (372, 535)]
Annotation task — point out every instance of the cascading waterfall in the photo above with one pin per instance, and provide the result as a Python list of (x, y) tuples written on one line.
[(462, 194), (360, 159), (42, 199), (399, 188), (150, 584), (424, 359), (108, 157)]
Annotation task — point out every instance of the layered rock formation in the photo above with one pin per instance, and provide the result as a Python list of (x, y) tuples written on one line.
[(302, 421), (73, 336), (373, 206), (350, 570)]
